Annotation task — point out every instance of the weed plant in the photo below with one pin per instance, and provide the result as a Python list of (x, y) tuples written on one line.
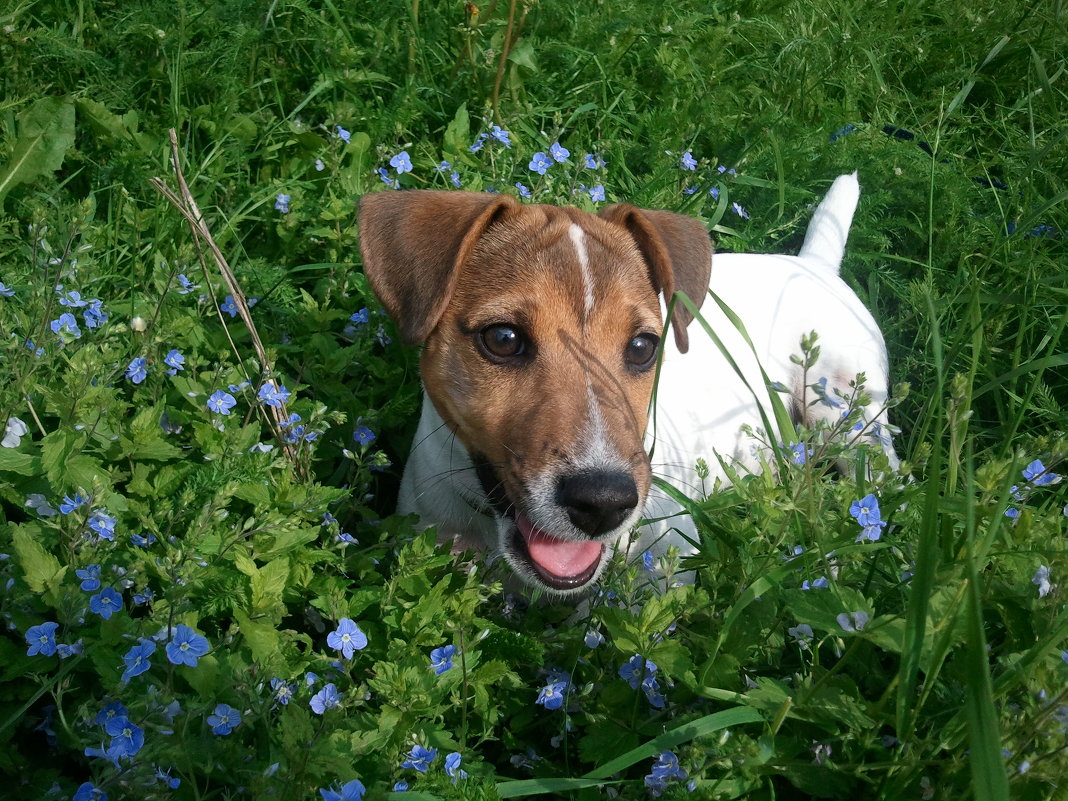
[(204, 592)]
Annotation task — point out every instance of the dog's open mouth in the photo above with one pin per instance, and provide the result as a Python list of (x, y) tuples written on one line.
[(562, 564)]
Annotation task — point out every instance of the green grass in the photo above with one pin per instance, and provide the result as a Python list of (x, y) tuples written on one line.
[(955, 687)]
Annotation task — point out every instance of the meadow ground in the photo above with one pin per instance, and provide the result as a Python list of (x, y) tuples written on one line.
[(204, 591)]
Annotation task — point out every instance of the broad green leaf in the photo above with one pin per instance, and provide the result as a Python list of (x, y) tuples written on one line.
[(46, 133), (41, 570)]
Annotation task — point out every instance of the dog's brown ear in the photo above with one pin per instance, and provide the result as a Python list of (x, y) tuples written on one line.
[(678, 251), (414, 243)]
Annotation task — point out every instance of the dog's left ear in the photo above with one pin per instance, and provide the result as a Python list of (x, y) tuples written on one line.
[(678, 251)]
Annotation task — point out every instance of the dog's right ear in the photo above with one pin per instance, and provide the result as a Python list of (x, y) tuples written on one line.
[(414, 244)]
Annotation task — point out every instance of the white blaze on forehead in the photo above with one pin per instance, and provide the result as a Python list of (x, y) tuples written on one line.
[(578, 239)]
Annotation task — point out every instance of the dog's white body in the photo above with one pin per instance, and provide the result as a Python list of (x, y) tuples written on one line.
[(701, 402)]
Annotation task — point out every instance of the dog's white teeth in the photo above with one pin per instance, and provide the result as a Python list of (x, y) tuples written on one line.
[(562, 558)]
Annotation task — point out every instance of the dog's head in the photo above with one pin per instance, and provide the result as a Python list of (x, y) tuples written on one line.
[(541, 328)]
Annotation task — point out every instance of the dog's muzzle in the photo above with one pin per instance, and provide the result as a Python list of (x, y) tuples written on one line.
[(591, 506)]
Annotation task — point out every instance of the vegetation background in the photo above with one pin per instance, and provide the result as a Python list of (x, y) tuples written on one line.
[(205, 597)]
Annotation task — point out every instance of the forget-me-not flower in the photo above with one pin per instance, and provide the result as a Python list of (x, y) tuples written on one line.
[(126, 737), (402, 162), (137, 369), (272, 394), (105, 603), (347, 638), (90, 576), (1036, 474), (635, 669), (597, 194), (665, 769), (350, 791), (136, 659), (688, 162), (224, 720), (342, 134), (559, 152), (229, 306), (65, 326), (175, 361), (5, 290), (501, 135), (551, 696), (363, 435), (741, 212), (853, 621), (221, 402), (326, 698), (281, 203), (87, 791), (1041, 580), (540, 163), (420, 758), (866, 511), (441, 659), (186, 646), (42, 639), (452, 767), (187, 285), (102, 524), (282, 690)]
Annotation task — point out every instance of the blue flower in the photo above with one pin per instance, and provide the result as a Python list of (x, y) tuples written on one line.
[(800, 453), (221, 402), (90, 576), (350, 791), (229, 306), (387, 179), (845, 130), (559, 152), (363, 435), (281, 203), (66, 326), (360, 317), (136, 659), (665, 769), (5, 290), (593, 638), (342, 134), (722, 169), (818, 584), (402, 162), (524, 191), (136, 370), (69, 504), (400, 787), (501, 135), (593, 161), (94, 315), (479, 143), (551, 696), (113, 710), (186, 646), (651, 688), (282, 690), (347, 638), (597, 194), (42, 639), (441, 659), (714, 192), (866, 511), (105, 603), (871, 533), (175, 361), (187, 285), (126, 737), (1037, 474), (1040, 580), (540, 163), (635, 669), (802, 634), (455, 178), (102, 524), (443, 167), (319, 166), (66, 650), (648, 561), (420, 758), (688, 162), (224, 720), (72, 299), (165, 777), (452, 767), (737, 209), (143, 597), (326, 698), (272, 394), (88, 791), (853, 621)]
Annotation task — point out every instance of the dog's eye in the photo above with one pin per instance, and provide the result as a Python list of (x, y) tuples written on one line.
[(641, 351), (502, 341)]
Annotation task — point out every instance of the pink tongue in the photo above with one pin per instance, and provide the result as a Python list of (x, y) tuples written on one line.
[(562, 558)]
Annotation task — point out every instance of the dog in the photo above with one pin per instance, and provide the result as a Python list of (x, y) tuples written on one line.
[(540, 329)]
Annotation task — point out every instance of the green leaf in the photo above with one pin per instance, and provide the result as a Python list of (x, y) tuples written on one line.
[(46, 133), (262, 638), (41, 570), (22, 463)]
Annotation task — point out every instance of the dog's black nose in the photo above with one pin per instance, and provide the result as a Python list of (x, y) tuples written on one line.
[(597, 501)]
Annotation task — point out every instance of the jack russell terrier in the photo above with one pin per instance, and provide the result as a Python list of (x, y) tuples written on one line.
[(540, 328)]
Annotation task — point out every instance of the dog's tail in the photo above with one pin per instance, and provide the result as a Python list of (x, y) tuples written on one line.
[(826, 237)]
